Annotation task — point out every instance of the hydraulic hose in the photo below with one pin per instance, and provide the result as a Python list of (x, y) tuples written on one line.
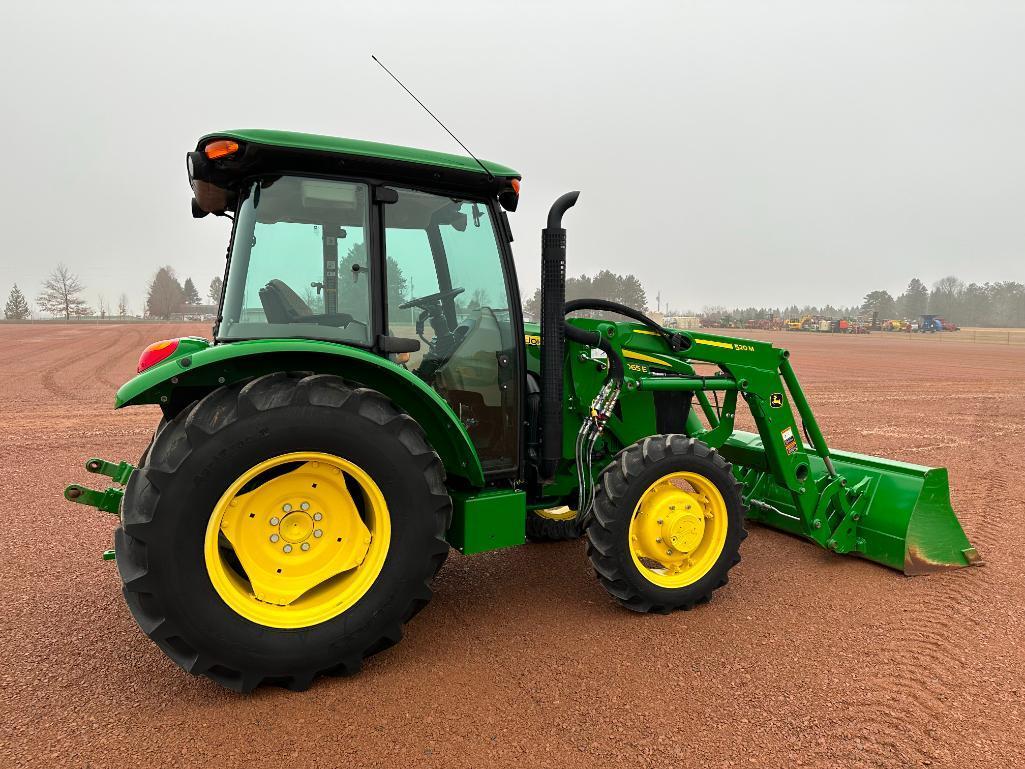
[(595, 339), (676, 342)]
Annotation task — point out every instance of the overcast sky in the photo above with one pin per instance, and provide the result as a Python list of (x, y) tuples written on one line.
[(727, 152)]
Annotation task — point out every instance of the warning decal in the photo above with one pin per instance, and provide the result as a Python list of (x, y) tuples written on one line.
[(789, 442)]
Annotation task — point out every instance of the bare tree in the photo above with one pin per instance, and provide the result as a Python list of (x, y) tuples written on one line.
[(122, 305), (214, 292), (103, 305), (60, 294)]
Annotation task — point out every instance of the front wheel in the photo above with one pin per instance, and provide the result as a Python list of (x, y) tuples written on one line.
[(282, 529), (555, 524), (667, 525)]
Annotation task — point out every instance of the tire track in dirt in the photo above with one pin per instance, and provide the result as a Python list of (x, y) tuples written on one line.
[(126, 346), (48, 380)]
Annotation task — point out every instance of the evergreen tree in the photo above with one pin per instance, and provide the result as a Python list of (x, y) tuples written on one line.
[(60, 294), (165, 295), (191, 295), (879, 302), (915, 300), (17, 306)]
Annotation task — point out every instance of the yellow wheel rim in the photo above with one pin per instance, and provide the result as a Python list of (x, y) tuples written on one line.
[(290, 546), (678, 529), (557, 513)]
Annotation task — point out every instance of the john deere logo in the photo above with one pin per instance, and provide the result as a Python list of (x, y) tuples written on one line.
[(776, 400)]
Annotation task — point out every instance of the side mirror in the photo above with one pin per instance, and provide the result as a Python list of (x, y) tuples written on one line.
[(385, 195)]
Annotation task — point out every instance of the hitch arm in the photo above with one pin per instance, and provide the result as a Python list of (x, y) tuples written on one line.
[(109, 501)]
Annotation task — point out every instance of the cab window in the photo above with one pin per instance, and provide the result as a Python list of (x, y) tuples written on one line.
[(446, 286), (299, 265)]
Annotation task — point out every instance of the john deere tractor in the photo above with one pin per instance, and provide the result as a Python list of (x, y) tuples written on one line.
[(372, 397)]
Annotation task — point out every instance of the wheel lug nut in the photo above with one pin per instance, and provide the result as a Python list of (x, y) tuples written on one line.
[(287, 548), (658, 539), (317, 516), (305, 546), (318, 533), (287, 508), (274, 521), (659, 521), (669, 552), (305, 506), (274, 537)]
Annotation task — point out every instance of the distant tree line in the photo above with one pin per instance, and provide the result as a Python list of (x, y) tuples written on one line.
[(999, 304), (990, 304), (625, 289), (966, 304), (758, 313)]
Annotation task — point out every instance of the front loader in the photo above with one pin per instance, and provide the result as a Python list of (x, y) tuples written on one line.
[(372, 397)]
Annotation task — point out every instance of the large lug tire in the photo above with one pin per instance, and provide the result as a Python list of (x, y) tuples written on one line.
[(210, 446), (548, 526), (659, 490)]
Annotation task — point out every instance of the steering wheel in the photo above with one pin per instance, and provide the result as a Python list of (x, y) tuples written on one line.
[(430, 299)]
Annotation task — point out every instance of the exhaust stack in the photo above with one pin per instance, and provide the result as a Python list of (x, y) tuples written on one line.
[(553, 335)]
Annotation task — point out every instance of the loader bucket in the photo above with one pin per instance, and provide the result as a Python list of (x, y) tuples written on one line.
[(904, 520)]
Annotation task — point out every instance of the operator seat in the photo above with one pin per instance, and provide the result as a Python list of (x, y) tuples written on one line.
[(281, 304)]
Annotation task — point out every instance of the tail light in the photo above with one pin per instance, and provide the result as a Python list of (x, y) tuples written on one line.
[(156, 352)]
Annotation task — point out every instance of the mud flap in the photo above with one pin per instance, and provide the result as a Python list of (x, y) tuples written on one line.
[(900, 513)]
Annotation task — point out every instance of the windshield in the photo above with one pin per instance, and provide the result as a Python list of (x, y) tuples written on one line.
[(299, 264)]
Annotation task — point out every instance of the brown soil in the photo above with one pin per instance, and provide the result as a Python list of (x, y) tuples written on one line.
[(806, 658)]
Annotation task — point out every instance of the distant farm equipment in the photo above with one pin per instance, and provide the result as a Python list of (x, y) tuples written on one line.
[(930, 324)]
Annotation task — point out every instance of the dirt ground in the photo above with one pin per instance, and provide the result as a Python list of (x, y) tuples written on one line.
[(804, 659)]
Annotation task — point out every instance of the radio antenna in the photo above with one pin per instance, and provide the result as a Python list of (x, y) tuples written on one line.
[(491, 177)]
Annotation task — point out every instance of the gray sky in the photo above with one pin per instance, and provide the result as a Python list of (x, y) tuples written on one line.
[(727, 152)]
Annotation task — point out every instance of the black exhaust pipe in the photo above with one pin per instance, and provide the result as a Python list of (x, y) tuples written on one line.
[(553, 335)]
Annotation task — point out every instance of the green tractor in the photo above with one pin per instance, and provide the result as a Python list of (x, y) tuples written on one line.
[(372, 396)]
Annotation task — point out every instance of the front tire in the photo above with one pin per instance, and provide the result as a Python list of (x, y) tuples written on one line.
[(667, 525), (224, 598), (556, 524)]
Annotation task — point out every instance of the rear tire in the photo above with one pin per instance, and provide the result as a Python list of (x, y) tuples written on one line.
[(201, 452), (625, 559)]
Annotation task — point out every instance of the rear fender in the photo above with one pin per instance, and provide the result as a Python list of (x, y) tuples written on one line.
[(185, 378)]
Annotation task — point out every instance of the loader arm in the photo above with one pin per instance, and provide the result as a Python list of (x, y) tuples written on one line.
[(894, 513)]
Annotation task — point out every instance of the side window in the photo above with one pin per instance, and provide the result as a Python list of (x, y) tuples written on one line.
[(299, 266), (475, 265), (444, 260)]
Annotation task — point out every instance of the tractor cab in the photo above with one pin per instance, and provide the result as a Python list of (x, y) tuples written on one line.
[(402, 260)]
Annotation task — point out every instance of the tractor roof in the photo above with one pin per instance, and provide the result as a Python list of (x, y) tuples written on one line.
[(304, 142)]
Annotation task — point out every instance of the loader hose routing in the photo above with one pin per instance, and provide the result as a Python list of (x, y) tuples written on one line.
[(676, 342)]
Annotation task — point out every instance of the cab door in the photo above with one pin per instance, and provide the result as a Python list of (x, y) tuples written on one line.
[(471, 336)]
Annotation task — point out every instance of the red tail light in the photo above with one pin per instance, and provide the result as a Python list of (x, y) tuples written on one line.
[(156, 352)]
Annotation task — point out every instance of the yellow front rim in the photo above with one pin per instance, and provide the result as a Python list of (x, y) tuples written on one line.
[(557, 513), (678, 529), (297, 540)]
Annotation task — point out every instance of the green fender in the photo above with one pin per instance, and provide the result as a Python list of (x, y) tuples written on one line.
[(197, 367)]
